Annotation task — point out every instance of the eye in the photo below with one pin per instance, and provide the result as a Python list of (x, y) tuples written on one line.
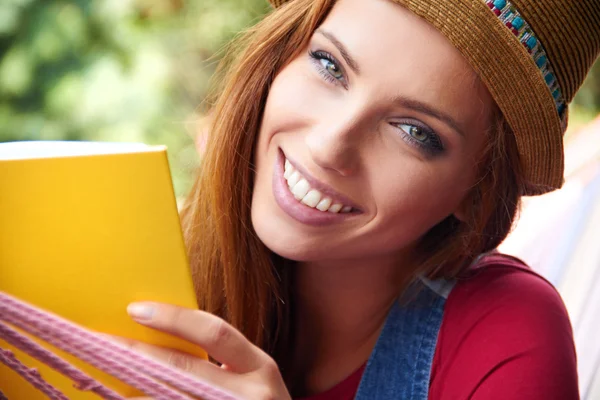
[(332, 68), (328, 66), (416, 132), (423, 137)]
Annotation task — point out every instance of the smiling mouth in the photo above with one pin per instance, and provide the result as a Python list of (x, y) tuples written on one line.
[(302, 191)]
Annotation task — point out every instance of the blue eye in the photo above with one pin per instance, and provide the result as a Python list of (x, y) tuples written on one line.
[(416, 132), (332, 69), (327, 66), (422, 137)]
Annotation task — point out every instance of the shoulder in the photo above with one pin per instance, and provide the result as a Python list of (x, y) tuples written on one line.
[(507, 286), (503, 297), (504, 325)]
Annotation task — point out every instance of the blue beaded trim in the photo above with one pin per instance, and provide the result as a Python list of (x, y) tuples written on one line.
[(513, 20)]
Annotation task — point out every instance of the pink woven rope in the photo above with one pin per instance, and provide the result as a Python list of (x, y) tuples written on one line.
[(96, 358), (81, 379), (130, 367), (124, 373), (128, 375), (31, 375)]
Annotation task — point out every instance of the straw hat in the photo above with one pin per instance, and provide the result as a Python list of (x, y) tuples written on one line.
[(533, 56)]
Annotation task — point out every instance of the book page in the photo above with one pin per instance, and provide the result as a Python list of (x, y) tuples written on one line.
[(52, 149)]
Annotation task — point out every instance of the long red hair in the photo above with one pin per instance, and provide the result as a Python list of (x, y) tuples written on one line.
[(235, 275)]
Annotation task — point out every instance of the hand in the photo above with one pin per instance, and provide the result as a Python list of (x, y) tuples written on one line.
[(246, 370)]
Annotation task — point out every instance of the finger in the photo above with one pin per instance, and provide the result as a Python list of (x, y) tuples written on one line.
[(223, 342)]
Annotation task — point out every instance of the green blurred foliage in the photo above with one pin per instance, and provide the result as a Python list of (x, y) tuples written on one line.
[(114, 70), (125, 70), (587, 99)]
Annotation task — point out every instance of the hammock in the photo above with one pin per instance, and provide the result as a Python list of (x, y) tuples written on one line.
[(154, 378)]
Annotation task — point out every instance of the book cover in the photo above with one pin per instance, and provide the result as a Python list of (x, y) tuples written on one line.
[(85, 229)]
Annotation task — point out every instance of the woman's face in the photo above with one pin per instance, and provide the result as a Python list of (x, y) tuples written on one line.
[(370, 137)]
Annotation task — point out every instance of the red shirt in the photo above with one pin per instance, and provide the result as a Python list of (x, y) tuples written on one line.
[(505, 334)]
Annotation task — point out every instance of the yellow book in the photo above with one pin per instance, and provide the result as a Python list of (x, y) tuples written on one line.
[(85, 229)]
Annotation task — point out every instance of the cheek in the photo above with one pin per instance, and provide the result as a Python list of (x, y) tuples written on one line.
[(297, 98), (282, 108), (291, 108), (288, 93), (416, 196)]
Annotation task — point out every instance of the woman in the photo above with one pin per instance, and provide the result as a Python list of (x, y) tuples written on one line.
[(365, 159)]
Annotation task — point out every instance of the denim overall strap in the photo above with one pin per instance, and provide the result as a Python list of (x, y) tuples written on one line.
[(400, 364)]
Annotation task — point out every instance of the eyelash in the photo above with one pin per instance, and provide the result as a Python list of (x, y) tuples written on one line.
[(434, 145), (317, 56)]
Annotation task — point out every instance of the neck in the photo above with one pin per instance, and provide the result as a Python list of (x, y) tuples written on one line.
[(340, 308)]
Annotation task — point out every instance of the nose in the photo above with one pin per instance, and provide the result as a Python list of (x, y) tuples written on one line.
[(335, 145)]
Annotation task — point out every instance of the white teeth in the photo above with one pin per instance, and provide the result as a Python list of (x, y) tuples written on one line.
[(289, 170), (293, 179), (312, 198), (335, 208), (324, 204), (300, 189)]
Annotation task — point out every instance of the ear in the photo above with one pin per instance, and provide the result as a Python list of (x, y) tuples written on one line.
[(201, 132)]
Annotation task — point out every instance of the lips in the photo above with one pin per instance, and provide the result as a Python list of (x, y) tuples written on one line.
[(302, 191), (305, 199)]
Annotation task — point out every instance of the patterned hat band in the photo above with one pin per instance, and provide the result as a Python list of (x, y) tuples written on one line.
[(514, 21)]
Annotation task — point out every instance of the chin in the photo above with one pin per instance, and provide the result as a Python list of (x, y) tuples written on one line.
[(281, 240)]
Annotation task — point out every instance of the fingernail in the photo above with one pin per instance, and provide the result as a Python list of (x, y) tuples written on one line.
[(140, 311)]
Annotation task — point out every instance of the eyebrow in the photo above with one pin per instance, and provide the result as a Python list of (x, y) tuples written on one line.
[(424, 108), (342, 49)]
